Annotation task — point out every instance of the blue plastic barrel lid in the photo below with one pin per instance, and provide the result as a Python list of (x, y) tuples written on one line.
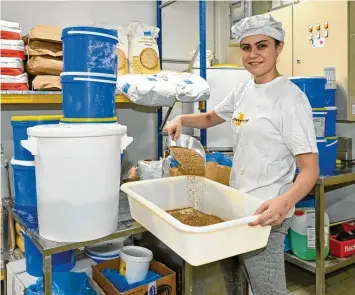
[(86, 78), (87, 30)]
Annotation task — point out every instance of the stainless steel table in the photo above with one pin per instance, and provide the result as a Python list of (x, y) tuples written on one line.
[(321, 267)]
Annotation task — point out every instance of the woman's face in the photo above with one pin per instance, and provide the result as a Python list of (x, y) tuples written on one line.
[(259, 54)]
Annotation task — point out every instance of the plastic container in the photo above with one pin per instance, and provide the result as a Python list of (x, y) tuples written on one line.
[(19, 129), (106, 250), (78, 170), (287, 243), (331, 121), (331, 154), (319, 121), (303, 234), (322, 154), (112, 120), (330, 97), (149, 205), (308, 202), (61, 262), (90, 49), (314, 88), (135, 263), (25, 186), (88, 98), (342, 249)]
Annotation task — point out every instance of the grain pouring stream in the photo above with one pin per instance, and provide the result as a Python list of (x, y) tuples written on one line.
[(191, 162)]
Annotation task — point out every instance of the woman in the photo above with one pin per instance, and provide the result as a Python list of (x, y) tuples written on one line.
[(273, 131)]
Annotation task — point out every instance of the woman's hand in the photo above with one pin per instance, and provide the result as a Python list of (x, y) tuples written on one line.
[(273, 212), (174, 127)]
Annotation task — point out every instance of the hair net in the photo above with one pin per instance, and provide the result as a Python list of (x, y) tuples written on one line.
[(263, 24)]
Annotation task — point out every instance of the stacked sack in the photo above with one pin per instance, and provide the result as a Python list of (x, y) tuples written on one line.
[(12, 54), (320, 92), (45, 57), (90, 75), (24, 179)]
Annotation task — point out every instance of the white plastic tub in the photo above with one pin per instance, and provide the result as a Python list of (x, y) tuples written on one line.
[(78, 171), (149, 200)]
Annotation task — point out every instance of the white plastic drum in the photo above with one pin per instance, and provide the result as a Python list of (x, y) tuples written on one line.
[(78, 179)]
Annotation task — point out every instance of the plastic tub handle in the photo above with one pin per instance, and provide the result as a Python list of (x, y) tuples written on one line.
[(334, 142), (30, 145), (126, 141)]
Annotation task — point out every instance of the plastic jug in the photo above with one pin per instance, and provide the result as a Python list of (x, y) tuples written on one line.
[(303, 234)]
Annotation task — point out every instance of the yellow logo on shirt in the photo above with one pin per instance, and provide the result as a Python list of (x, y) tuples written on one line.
[(240, 120)]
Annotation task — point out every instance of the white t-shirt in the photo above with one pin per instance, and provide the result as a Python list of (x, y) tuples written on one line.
[(272, 123)]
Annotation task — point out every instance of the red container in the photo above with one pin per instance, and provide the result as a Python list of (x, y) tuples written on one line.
[(341, 249)]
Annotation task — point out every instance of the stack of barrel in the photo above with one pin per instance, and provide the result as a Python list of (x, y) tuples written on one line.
[(90, 75), (24, 180), (321, 95)]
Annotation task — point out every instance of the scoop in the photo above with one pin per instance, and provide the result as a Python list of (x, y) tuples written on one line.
[(186, 141)]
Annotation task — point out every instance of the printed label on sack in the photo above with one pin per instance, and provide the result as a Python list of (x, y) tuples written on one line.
[(311, 237), (319, 125), (145, 56)]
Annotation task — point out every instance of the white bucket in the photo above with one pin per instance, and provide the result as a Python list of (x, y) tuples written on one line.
[(78, 179), (135, 263)]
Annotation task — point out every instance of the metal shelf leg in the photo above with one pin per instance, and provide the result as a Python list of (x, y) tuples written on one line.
[(5, 243), (188, 279), (47, 275), (320, 241)]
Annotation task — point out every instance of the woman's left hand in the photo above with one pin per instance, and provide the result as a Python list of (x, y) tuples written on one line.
[(273, 212)]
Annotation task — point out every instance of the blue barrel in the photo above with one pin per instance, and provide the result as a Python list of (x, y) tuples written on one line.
[(19, 132), (331, 121), (322, 152), (308, 202), (319, 121), (90, 49), (61, 262), (25, 186), (331, 154), (330, 97), (314, 88), (88, 97)]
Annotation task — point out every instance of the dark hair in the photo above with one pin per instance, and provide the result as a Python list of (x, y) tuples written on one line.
[(278, 42)]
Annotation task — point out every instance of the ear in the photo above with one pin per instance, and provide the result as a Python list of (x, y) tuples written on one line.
[(280, 47)]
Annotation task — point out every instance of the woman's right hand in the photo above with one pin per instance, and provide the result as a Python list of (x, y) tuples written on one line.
[(174, 127)]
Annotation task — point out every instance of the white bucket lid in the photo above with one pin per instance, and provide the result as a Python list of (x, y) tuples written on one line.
[(76, 130), (107, 248), (22, 163), (136, 254)]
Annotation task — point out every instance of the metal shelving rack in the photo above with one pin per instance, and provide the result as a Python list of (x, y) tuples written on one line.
[(321, 267), (41, 97), (203, 66)]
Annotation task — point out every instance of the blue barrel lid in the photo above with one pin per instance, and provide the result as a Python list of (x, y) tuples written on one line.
[(26, 120), (87, 77), (112, 33)]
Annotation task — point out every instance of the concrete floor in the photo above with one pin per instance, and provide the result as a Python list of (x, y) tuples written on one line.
[(301, 282)]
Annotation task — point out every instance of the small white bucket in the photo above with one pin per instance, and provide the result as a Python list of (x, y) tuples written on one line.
[(135, 263)]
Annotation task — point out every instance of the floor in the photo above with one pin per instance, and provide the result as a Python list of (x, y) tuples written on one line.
[(300, 282)]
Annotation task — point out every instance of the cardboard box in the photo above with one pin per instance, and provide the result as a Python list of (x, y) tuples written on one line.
[(164, 286), (18, 280)]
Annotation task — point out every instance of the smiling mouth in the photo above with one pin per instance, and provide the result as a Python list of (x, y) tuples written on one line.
[(255, 64)]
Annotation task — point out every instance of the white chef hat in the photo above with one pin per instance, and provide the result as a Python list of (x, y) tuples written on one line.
[(263, 24)]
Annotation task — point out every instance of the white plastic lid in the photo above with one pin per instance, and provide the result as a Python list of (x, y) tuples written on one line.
[(76, 130), (22, 163), (107, 248), (136, 254)]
